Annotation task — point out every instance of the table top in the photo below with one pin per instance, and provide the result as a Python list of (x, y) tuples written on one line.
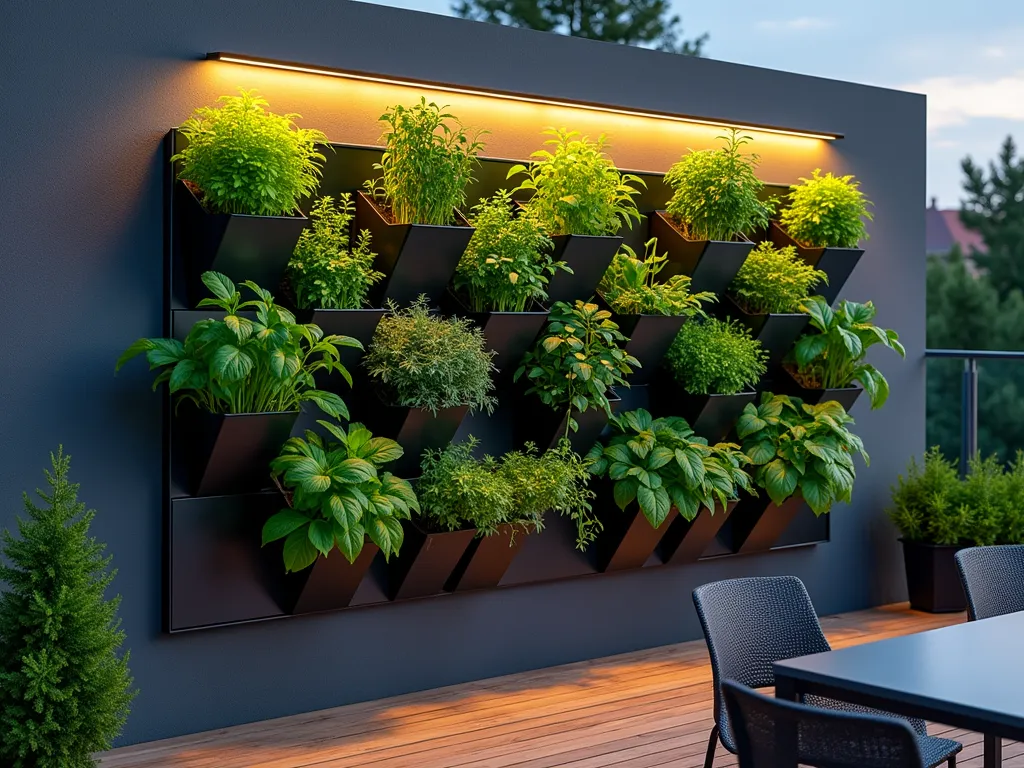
[(973, 670)]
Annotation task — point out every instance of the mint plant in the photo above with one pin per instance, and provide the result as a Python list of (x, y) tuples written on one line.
[(630, 286), (826, 211)]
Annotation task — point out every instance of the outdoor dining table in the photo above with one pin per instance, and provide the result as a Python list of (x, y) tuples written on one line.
[(968, 675)]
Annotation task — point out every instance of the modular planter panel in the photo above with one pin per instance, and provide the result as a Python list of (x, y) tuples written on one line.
[(539, 424), (628, 539), (327, 585), (415, 429), (426, 561), (711, 264), (486, 560), (710, 416), (776, 332), (932, 579), (650, 336), (686, 540), (415, 258), (837, 263), (588, 256), (845, 396), (757, 523)]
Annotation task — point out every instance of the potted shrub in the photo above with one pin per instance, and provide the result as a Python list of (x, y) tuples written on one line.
[(241, 176), (650, 313), (826, 364), (412, 209), (715, 203), (337, 496), (427, 373), (237, 384), (330, 277), (501, 281), (800, 453), (582, 200), (824, 220), (659, 468), (572, 369), (716, 364), (766, 296)]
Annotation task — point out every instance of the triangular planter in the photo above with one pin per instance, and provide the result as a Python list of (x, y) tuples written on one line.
[(588, 256), (415, 429), (627, 540), (486, 560), (360, 324), (757, 523), (837, 263), (776, 332), (650, 337), (543, 426), (710, 416), (711, 264), (327, 585), (426, 561), (686, 540), (845, 396)]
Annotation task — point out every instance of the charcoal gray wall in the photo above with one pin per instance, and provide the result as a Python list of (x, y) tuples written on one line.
[(88, 92)]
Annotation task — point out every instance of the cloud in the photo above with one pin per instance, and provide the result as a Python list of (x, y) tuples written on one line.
[(957, 100), (799, 24), (993, 52)]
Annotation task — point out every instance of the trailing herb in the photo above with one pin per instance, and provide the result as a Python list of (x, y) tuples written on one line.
[(429, 159), (325, 272), (834, 357), (826, 211), (238, 365), (337, 496), (774, 280), (426, 361), (661, 464), (576, 188), (716, 192), (242, 158), (630, 288), (800, 448), (507, 263), (716, 357)]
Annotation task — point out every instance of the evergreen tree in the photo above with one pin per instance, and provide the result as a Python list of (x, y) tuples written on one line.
[(633, 22), (64, 691)]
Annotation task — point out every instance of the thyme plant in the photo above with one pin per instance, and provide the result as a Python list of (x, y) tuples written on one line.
[(716, 357), (774, 280), (826, 211), (630, 286)]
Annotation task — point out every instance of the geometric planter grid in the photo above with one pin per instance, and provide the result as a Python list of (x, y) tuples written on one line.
[(710, 264), (837, 263)]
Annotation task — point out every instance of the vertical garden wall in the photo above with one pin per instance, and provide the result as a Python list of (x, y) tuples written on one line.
[(90, 101)]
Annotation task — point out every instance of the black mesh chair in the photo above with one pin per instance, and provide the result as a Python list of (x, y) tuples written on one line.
[(817, 737), (749, 624), (993, 579)]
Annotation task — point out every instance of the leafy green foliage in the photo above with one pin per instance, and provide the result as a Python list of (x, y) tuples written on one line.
[(426, 361), (715, 192), (715, 357), (325, 271), (64, 691), (245, 159), (337, 496), (577, 190), (774, 280), (661, 463), (238, 365), (429, 158), (800, 448), (578, 359), (826, 211), (507, 264), (834, 357), (629, 286)]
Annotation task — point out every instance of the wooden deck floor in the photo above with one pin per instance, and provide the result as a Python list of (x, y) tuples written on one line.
[(637, 710)]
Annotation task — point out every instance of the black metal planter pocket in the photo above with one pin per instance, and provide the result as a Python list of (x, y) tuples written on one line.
[(650, 336), (415, 429), (845, 396), (327, 585), (588, 256), (711, 264), (360, 324), (757, 522), (686, 540), (486, 560), (545, 427), (776, 332), (415, 258), (837, 263), (628, 539), (241, 246), (710, 416), (933, 583), (426, 561)]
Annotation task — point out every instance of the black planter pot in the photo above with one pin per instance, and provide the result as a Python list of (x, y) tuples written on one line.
[(486, 560), (757, 523), (415, 429), (415, 258), (845, 396), (776, 332), (932, 579), (360, 324), (588, 256), (628, 539), (426, 561), (686, 540), (711, 264), (240, 246), (230, 453), (837, 263), (710, 416), (539, 424), (650, 336), (327, 585)]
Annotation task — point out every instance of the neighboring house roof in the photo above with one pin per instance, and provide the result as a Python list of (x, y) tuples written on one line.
[(943, 230)]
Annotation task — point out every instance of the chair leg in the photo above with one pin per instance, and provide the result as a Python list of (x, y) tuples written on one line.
[(952, 761), (709, 759)]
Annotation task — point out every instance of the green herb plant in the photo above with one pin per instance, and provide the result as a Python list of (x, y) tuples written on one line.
[(716, 192), (834, 357), (242, 158), (429, 158), (507, 264), (338, 496), (578, 360), (661, 464), (826, 211), (774, 280), (325, 271), (716, 357), (239, 365), (800, 448), (630, 286), (426, 361), (576, 188)]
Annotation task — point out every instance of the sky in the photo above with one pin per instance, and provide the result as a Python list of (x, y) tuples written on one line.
[(966, 56)]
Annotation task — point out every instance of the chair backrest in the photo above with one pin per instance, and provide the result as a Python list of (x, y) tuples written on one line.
[(993, 579), (751, 623), (781, 734)]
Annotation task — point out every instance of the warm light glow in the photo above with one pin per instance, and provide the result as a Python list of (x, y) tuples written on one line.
[(290, 67)]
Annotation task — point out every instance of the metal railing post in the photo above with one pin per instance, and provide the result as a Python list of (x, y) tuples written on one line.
[(969, 414)]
